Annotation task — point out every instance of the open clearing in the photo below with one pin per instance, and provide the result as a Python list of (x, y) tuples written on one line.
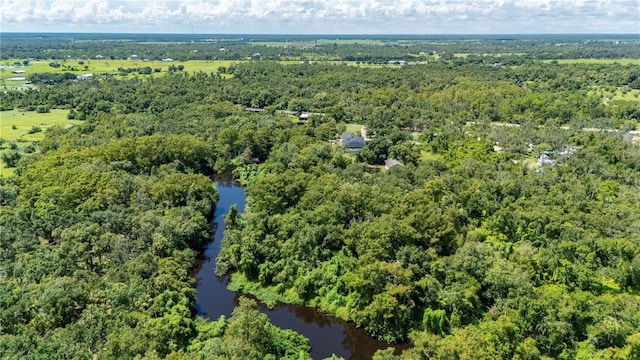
[(107, 66), (620, 93), (354, 128), (15, 126), (24, 121)]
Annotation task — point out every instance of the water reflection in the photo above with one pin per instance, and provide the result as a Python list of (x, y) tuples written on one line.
[(327, 334)]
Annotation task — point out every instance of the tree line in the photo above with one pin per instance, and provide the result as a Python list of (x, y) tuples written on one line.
[(469, 250)]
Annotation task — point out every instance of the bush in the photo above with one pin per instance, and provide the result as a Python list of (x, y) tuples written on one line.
[(10, 158), (29, 149), (35, 129)]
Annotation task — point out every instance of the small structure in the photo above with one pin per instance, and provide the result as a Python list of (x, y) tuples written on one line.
[(84, 77), (250, 109), (99, 57), (167, 60), (303, 117), (389, 163), (134, 57), (545, 159), (351, 142), (18, 71), (552, 157), (364, 134)]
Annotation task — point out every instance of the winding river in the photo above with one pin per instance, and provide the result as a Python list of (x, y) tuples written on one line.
[(327, 334)]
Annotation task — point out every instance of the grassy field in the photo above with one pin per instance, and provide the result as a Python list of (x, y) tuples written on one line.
[(620, 93), (15, 125), (18, 126), (630, 95), (354, 128), (428, 155), (103, 66)]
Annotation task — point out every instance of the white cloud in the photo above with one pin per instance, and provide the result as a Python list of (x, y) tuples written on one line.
[(331, 16)]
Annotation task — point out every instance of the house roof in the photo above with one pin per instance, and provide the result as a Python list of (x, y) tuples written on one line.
[(352, 141), (392, 162)]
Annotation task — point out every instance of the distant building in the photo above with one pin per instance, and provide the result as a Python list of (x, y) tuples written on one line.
[(389, 163), (99, 57), (134, 57), (545, 159), (18, 71), (363, 133), (351, 142), (84, 77), (167, 60), (304, 116), (552, 157)]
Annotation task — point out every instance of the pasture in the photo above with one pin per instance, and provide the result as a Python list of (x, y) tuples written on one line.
[(27, 127), (108, 66)]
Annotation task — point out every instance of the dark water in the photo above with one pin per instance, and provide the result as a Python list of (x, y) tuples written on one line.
[(327, 334)]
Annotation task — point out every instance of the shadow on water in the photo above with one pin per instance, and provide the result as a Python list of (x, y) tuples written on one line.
[(327, 334)]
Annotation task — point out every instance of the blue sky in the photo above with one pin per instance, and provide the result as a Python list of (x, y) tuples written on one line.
[(323, 16)]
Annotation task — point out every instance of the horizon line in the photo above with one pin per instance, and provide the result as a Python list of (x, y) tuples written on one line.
[(318, 34)]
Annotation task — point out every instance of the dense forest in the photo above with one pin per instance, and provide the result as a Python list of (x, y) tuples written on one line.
[(369, 48), (510, 231)]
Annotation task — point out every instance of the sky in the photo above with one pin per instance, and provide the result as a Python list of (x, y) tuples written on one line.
[(323, 16)]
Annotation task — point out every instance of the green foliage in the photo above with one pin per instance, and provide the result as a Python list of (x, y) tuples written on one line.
[(10, 158), (471, 252)]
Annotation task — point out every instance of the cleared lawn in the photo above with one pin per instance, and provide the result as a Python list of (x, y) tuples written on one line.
[(103, 66), (15, 126), (108, 66), (24, 121), (428, 155), (620, 93), (630, 95), (354, 128), (5, 171)]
